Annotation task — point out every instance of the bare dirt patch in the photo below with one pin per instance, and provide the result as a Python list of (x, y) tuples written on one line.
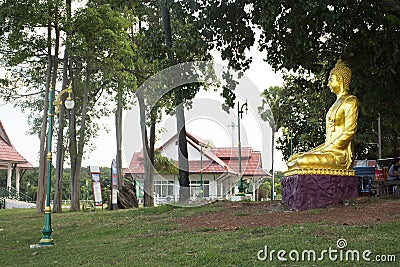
[(236, 215)]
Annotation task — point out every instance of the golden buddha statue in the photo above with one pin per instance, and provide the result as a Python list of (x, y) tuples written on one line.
[(335, 156)]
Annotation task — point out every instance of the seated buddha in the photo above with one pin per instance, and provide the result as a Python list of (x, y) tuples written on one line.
[(341, 124)]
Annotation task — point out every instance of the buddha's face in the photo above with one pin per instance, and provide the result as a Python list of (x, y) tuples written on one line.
[(334, 84)]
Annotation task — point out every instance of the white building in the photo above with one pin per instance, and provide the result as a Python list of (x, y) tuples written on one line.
[(214, 168)]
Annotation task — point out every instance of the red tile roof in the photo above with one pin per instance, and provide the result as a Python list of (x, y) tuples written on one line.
[(136, 166), (8, 154), (229, 152), (251, 166), (207, 167), (217, 160)]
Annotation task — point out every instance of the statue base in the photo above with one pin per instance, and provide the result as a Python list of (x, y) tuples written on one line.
[(311, 191)]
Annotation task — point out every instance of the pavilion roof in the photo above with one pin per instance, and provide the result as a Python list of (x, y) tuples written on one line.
[(8, 153)]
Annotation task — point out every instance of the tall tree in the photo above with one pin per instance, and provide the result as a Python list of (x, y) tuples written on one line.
[(150, 59), (41, 193), (155, 58), (183, 157), (55, 57), (28, 57), (58, 192), (118, 135), (309, 36), (23, 54), (100, 43), (293, 107)]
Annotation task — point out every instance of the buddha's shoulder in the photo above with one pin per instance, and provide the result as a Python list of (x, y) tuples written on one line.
[(351, 99)]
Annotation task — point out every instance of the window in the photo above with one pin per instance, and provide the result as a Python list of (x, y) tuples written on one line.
[(164, 188), (195, 188)]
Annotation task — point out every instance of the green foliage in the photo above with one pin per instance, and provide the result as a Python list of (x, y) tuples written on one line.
[(311, 35), (188, 44), (97, 37), (100, 40), (265, 189), (23, 53), (327, 30), (29, 179), (300, 107), (28, 182), (227, 27), (307, 37), (164, 165)]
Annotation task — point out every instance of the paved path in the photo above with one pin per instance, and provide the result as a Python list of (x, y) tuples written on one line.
[(15, 204)]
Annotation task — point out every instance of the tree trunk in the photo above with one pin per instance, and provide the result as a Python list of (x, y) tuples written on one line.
[(72, 146), (118, 132), (152, 143), (151, 159), (148, 174), (57, 204), (166, 21), (183, 162), (76, 172), (41, 192)]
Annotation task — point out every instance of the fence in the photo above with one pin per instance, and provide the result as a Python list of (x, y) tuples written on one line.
[(11, 193)]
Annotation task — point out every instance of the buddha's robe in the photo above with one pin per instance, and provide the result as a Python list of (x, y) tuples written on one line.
[(336, 152)]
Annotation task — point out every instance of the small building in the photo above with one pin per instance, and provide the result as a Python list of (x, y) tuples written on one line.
[(213, 171), (12, 161)]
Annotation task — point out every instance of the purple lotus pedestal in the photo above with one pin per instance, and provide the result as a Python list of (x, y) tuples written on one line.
[(311, 191)]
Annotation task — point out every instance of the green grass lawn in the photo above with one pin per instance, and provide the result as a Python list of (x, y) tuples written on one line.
[(151, 237)]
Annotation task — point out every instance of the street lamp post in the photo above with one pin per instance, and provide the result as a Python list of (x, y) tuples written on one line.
[(202, 145), (201, 170), (240, 176), (272, 123), (47, 240)]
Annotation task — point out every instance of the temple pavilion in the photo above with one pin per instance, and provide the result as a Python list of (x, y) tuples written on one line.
[(12, 161)]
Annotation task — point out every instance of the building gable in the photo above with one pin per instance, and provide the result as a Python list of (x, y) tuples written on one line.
[(8, 154), (213, 160)]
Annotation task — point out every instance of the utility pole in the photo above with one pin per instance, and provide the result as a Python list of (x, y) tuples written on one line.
[(233, 125)]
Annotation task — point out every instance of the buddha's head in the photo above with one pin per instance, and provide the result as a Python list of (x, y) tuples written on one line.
[(342, 73)]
